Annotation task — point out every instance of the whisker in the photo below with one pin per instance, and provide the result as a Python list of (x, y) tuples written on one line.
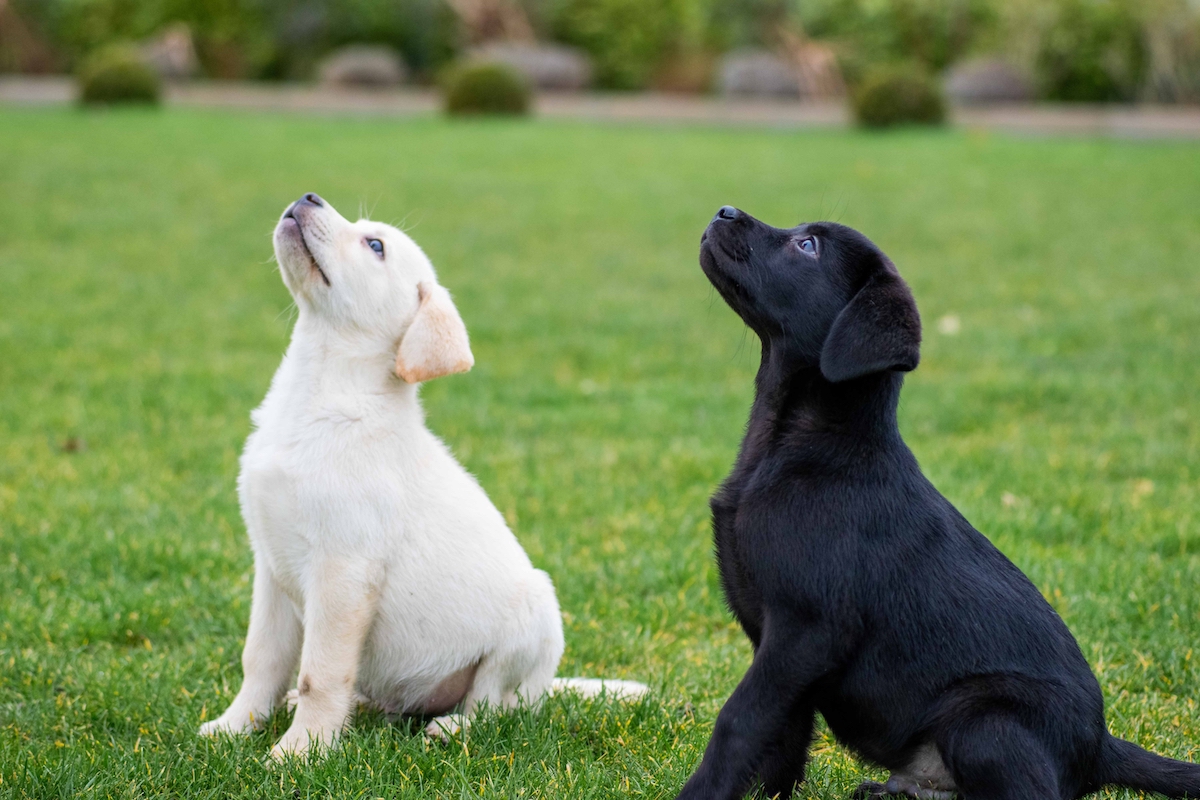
[(287, 310), (402, 225), (737, 354), (845, 207)]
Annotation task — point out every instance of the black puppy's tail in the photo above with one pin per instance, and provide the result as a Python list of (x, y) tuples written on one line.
[(1125, 764)]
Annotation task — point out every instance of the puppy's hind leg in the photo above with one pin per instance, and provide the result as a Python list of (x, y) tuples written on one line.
[(991, 756), (520, 669)]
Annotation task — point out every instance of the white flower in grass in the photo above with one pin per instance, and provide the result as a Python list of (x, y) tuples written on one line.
[(949, 325)]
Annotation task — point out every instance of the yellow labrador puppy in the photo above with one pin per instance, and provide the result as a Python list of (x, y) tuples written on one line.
[(380, 565)]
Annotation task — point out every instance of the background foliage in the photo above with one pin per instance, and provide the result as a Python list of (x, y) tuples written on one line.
[(252, 38), (626, 38), (1077, 49)]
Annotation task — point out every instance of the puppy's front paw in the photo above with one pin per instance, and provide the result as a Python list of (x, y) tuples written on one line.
[(869, 790), (282, 752), (212, 728), (232, 724), (296, 743), (900, 786), (447, 727)]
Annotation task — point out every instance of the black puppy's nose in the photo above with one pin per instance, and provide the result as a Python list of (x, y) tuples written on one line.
[(311, 199), (728, 212)]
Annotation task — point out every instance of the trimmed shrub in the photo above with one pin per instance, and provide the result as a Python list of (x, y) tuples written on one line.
[(117, 74), (485, 88), (897, 95)]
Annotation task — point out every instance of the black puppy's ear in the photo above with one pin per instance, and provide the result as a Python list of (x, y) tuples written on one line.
[(879, 329)]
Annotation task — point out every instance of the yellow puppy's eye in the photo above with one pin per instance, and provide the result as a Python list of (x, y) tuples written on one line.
[(376, 245)]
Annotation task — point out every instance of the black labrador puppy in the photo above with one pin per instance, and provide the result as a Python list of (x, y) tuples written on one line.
[(867, 596)]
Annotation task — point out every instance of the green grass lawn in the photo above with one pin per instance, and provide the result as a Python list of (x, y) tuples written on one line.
[(141, 319)]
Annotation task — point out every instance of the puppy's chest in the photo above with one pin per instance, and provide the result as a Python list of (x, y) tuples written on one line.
[(742, 592), (758, 523), (306, 487), (271, 487)]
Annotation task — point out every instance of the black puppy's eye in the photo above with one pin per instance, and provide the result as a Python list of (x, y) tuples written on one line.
[(376, 245), (807, 245)]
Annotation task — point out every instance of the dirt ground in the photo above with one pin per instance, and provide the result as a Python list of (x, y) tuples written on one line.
[(1137, 121)]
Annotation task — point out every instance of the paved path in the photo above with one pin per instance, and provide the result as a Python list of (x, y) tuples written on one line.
[(1177, 122)]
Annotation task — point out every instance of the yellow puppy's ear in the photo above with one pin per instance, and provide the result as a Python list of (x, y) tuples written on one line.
[(436, 343)]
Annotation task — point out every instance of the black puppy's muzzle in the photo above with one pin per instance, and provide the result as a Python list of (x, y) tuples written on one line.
[(725, 256), (728, 232), (724, 216)]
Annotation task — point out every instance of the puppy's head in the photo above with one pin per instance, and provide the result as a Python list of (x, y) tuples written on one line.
[(372, 282), (820, 293)]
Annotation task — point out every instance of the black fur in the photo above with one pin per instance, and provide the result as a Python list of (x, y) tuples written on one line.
[(867, 596)]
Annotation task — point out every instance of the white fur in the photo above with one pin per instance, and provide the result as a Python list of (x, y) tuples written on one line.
[(381, 567)]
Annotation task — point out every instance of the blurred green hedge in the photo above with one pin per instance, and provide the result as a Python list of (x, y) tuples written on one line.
[(473, 89), (1077, 49), (898, 94), (116, 74)]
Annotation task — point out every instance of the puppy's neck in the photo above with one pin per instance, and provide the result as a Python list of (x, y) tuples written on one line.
[(345, 363), (793, 399)]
